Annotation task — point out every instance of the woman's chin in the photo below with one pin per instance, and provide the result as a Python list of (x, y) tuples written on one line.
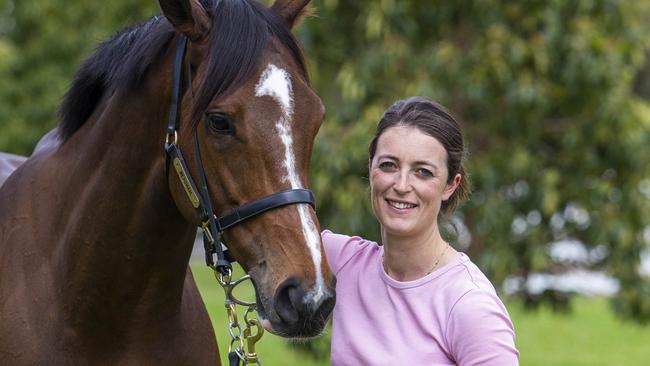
[(398, 228)]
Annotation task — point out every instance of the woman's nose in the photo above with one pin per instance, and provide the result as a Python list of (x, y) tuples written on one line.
[(402, 182)]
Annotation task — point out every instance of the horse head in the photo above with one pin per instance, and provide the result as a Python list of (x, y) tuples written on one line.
[(249, 112)]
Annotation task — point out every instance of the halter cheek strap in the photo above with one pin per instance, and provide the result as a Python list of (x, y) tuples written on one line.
[(212, 225)]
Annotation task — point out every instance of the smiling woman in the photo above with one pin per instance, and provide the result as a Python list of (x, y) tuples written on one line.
[(414, 299), (408, 181)]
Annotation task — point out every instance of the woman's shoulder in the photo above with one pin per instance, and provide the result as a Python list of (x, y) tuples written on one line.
[(461, 276), (478, 322), (341, 248), (466, 289), (331, 238), (480, 328)]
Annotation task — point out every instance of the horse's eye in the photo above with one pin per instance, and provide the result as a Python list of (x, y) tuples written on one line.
[(220, 123)]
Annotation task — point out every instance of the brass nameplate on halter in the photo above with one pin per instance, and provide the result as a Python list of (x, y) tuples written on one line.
[(182, 174)]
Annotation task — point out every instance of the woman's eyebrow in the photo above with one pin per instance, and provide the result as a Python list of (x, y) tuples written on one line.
[(387, 156)]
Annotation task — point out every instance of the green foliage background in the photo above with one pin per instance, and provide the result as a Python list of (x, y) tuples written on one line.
[(550, 94), (559, 140)]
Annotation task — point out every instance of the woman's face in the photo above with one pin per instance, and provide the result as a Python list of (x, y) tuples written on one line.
[(408, 181)]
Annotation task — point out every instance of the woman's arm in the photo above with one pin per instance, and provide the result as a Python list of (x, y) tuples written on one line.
[(480, 332)]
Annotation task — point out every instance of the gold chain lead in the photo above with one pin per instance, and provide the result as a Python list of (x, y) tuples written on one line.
[(245, 339)]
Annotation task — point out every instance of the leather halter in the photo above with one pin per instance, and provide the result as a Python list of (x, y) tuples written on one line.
[(212, 225)]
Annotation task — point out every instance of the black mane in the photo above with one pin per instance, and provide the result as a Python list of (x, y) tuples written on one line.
[(240, 31)]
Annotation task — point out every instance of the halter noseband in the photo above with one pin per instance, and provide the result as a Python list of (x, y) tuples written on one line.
[(212, 225)]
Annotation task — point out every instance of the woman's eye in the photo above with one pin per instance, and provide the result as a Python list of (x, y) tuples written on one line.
[(424, 172), (387, 165), (220, 123)]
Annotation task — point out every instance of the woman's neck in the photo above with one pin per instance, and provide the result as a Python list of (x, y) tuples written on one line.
[(408, 258)]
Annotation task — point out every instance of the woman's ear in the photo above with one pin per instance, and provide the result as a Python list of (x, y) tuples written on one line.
[(451, 187)]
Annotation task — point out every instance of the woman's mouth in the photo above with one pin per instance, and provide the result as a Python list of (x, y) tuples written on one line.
[(400, 205)]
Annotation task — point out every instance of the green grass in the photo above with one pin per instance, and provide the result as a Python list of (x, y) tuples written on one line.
[(590, 335)]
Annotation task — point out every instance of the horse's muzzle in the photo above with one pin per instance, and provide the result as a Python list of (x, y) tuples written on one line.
[(302, 314)]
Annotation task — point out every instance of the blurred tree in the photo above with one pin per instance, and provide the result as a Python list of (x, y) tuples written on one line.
[(559, 141), (41, 44)]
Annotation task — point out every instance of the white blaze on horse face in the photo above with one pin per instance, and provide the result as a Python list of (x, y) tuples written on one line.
[(276, 83)]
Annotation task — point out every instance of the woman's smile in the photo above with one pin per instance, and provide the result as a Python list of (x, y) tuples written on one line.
[(400, 205)]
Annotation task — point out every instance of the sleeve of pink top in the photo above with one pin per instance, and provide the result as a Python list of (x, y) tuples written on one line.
[(339, 249), (480, 332)]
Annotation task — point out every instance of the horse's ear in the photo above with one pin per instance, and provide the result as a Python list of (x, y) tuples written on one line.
[(292, 10), (187, 16)]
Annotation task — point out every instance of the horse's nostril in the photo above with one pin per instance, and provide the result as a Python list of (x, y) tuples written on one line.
[(288, 301), (302, 313)]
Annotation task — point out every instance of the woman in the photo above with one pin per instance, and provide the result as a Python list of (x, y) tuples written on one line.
[(415, 300)]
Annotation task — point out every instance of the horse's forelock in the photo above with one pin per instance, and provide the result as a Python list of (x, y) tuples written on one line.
[(240, 33)]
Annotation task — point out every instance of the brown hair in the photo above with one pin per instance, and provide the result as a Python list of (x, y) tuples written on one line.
[(432, 119)]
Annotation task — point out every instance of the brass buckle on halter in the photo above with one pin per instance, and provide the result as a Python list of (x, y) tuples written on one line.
[(174, 136), (205, 226), (209, 244)]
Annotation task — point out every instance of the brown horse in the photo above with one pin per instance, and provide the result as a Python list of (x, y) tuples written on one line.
[(96, 231)]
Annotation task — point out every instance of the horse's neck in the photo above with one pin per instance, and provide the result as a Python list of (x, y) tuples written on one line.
[(126, 246)]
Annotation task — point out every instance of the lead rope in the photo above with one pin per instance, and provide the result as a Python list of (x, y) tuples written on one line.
[(242, 343)]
